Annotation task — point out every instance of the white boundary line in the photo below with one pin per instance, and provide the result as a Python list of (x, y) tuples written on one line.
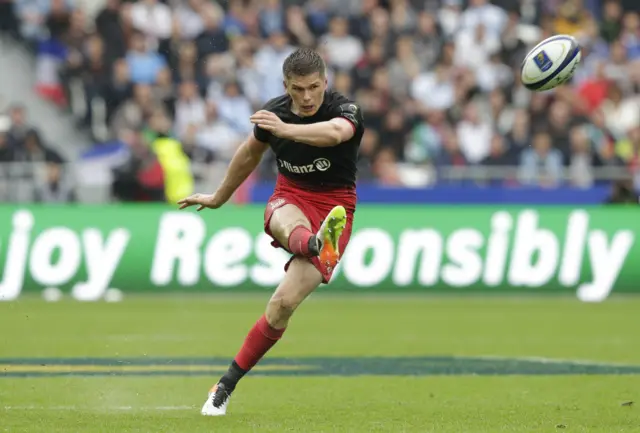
[(544, 360), (100, 408)]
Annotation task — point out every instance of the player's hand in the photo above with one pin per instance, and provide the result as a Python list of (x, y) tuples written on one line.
[(203, 201), (269, 122)]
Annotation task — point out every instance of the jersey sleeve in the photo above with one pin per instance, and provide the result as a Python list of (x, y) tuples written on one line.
[(350, 111), (261, 134)]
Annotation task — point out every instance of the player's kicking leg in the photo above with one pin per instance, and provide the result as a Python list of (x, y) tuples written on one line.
[(289, 225)]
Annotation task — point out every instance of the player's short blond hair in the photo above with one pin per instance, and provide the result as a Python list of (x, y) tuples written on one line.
[(303, 62)]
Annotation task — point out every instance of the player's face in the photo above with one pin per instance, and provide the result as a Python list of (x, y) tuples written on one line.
[(307, 93)]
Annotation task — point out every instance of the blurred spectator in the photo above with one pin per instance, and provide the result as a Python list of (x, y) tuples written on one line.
[(620, 113), (212, 39), (609, 160), (269, 61), (190, 109), (483, 13), (519, 137), (235, 109), (272, 17), (630, 35), (176, 167), (9, 25), (559, 122), (134, 113), (611, 24), (296, 24), (385, 168), (628, 148), (542, 164), (164, 92), (55, 188), (475, 46), (434, 90), (19, 128), (426, 138), (34, 150), (248, 76), (186, 67), (404, 67), (188, 18), (108, 26), (368, 148), (152, 18), (144, 64), (217, 135), (6, 152), (140, 177), (119, 89), (582, 160), (498, 154), (343, 50), (58, 19), (474, 135), (622, 192), (450, 154)]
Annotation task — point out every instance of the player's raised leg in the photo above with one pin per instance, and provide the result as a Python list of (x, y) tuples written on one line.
[(289, 226)]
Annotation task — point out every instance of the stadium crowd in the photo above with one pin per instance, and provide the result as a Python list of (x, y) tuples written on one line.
[(437, 81)]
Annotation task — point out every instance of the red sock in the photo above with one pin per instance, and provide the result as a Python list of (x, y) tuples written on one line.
[(258, 342), (299, 241)]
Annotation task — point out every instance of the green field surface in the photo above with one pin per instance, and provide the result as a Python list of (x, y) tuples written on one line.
[(347, 364)]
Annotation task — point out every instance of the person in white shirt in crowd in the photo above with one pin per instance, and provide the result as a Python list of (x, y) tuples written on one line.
[(190, 108), (269, 61), (343, 50)]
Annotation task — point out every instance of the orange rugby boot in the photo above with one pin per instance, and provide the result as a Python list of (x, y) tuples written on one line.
[(329, 236)]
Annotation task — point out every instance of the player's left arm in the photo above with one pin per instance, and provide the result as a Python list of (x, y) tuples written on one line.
[(322, 134)]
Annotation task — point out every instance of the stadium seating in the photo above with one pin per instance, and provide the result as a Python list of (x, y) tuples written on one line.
[(437, 80)]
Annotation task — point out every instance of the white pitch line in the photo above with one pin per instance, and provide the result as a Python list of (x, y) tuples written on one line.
[(544, 360), (101, 408)]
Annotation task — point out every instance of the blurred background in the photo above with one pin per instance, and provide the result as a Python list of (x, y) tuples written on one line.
[(112, 100)]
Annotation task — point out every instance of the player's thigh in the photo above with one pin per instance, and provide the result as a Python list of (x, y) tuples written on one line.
[(284, 220), (301, 279)]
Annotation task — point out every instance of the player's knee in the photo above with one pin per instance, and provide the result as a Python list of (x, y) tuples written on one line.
[(282, 307), (290, 226)]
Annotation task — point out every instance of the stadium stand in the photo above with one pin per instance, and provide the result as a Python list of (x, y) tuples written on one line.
[(437, 79)]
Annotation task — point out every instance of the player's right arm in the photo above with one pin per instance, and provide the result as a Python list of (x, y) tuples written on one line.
[(244, 161)]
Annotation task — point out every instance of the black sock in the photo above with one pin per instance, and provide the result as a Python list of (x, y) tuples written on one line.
[(314, 247), (232, 376)]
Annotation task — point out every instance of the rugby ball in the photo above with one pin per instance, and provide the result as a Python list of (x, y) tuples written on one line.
[(551, 63)]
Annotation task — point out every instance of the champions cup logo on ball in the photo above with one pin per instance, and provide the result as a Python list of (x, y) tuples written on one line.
[(543, 61)]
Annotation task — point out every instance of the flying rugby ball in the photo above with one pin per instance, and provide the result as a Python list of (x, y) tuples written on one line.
[(551, 63)]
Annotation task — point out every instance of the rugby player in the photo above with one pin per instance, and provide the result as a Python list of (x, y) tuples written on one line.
[(315, 134)]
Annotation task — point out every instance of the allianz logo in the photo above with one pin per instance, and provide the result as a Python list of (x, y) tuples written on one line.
[(320, 164)]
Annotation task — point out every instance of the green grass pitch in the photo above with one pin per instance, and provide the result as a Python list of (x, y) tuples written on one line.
[(347, 364)]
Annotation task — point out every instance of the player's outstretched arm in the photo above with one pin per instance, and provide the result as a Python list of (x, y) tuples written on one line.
[(244, 161), (321, 134)]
